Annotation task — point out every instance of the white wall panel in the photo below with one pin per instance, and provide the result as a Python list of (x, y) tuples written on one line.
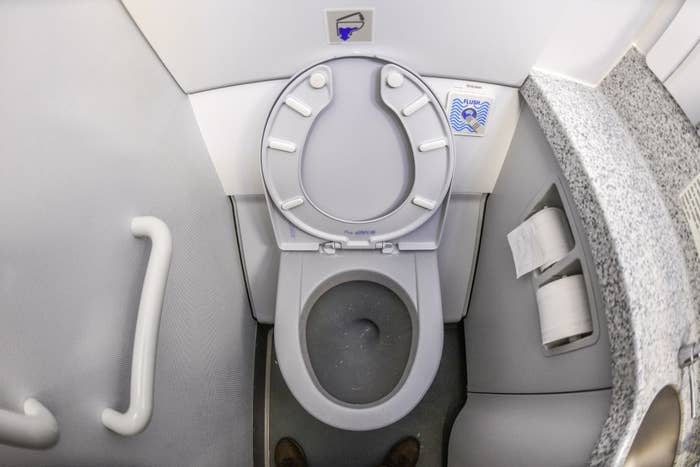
[(677, 41), (215, 43), (592, 35), (232, 120), (684, 86), (657, 24)]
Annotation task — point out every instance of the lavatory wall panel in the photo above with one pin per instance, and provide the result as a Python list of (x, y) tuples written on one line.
[(232, 119), (214, 43), (95, 132)]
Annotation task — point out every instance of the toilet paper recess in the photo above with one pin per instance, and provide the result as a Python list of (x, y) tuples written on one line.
[(540, 241), (564, 311)]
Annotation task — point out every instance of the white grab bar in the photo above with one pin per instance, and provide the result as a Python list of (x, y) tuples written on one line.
[(35, 429), (143, 361)]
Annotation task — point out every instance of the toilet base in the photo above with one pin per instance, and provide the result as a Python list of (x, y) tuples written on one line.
[(305, 278), (324, 445)]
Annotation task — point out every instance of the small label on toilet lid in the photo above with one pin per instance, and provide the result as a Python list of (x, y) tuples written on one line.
[(468, 112)]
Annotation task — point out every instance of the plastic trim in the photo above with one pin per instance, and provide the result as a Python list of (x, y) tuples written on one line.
[(35, 429)]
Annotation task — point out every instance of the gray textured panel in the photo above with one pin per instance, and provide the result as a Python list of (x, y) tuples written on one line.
[(504, 346), (458, 250), (94, 133), (260, 254), (543, 430)]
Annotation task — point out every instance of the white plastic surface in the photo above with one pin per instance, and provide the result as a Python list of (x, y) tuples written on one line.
[(231, 120), (590, 37), (143, 360), (298, 106), (433, 144), (318, 80), (204, 43), (424, 203), (214, 43), (416, 105), (35, 429), (394, 79), (292, 203), (677, 42), (657, 25), (281, 145), (684, 85)]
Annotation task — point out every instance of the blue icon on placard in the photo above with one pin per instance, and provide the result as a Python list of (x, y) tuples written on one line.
[(468, 115), (346, 25)]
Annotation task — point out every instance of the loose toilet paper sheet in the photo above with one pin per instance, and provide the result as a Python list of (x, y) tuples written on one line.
[(542, 240)]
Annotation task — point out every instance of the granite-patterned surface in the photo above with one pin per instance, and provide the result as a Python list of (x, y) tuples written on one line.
[(671, 146), (638, 255)]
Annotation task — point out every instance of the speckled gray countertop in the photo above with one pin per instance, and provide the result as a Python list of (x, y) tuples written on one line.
[(627, 150)]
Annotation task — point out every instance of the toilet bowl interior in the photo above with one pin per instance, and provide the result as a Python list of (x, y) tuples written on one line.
[(319, 300), (359, 341)]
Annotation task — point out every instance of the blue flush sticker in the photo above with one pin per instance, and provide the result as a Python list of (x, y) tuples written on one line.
[(349, 25), (346, 25), (468, 113)]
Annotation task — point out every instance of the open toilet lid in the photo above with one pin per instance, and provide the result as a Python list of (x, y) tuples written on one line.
[(357, 151)]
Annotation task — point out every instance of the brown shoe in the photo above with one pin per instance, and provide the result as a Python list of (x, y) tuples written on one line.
[(288, 453), (403, 454)]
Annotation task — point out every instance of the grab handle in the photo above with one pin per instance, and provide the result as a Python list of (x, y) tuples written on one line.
[(35, 429), (143, 362)]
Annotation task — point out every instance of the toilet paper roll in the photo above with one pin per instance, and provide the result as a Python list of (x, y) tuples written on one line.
[(564, 311), (542, 240)]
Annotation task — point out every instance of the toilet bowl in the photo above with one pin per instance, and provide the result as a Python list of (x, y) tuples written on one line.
[(357, 162)]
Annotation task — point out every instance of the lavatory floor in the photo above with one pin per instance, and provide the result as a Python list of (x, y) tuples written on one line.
[(278, 414)]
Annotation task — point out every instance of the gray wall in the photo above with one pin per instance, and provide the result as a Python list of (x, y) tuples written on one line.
[(525, 407), (94, 132), (502, 330)]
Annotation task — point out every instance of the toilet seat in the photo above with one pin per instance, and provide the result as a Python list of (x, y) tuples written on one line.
[(380, 193), (421, 119)]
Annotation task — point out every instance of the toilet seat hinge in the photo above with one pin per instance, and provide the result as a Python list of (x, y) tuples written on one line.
[(330, 247), (386, 247)]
